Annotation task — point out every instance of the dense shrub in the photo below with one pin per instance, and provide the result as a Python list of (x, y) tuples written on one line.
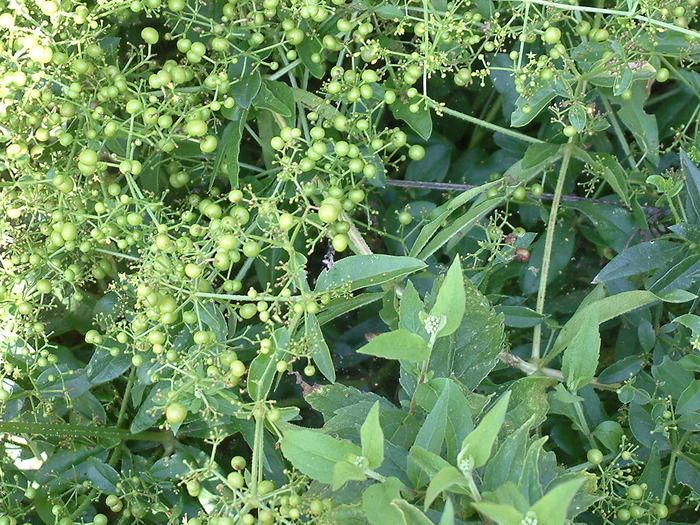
[(349, 261)]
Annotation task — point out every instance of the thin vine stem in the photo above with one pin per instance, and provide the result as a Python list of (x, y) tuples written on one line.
[(546, 256), (441, 109)]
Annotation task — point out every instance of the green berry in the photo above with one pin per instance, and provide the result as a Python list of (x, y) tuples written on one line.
[(416, 152), (175, 413), (149, 35), (594, 456), (552, 35)]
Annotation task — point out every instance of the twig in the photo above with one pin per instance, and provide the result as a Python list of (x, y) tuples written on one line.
[(530, 369)]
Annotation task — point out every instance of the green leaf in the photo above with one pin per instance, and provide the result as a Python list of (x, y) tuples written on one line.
[(262, 370), (151, 410), (43, 506), (316, 454), (520, 316), (449, 417), (552, 507), (443, 481), (609, 168), (276, 97), (318, 348), (330, 399), (642, 125), (399, 344), (431, 435), (435, 165), (615, 175), (104, 367), (680, 276), (211, 315), (689, 400), (529, 404), (501, 513), (692, 186), (421, 122), (688, 471), (538, 155), (229, 147), (410, 310), (346, 471), (309, 47), (565, 241), (607, 308), (441, 214), (390, 12), (478, 445), (428, 462), (507, 463), (691, 321), (410, 514), (448, 514), (471, 352), (58, 381), (578, 117), (343, 305), (450, 302), (267, 128), (460, 226), (610, 434), (376, 502), (372, 438), (102, 475), (314, 103), (638, 259), (361, 271), (536, 103), (614, 226), (246, 89), (580, 358)]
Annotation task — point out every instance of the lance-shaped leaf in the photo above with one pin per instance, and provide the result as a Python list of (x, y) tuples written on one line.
[(580, 358), (372, 438), (451, 299), (360, 271), (477, 446)]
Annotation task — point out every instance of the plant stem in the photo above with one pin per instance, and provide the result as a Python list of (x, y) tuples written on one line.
[(546, 256), (584, 424), (669, 474), (258, 449), (674, 211), (532, 369), (484, 124), (357, 242)]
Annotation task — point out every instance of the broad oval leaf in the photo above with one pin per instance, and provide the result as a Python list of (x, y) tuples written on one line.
[(316, 454)]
